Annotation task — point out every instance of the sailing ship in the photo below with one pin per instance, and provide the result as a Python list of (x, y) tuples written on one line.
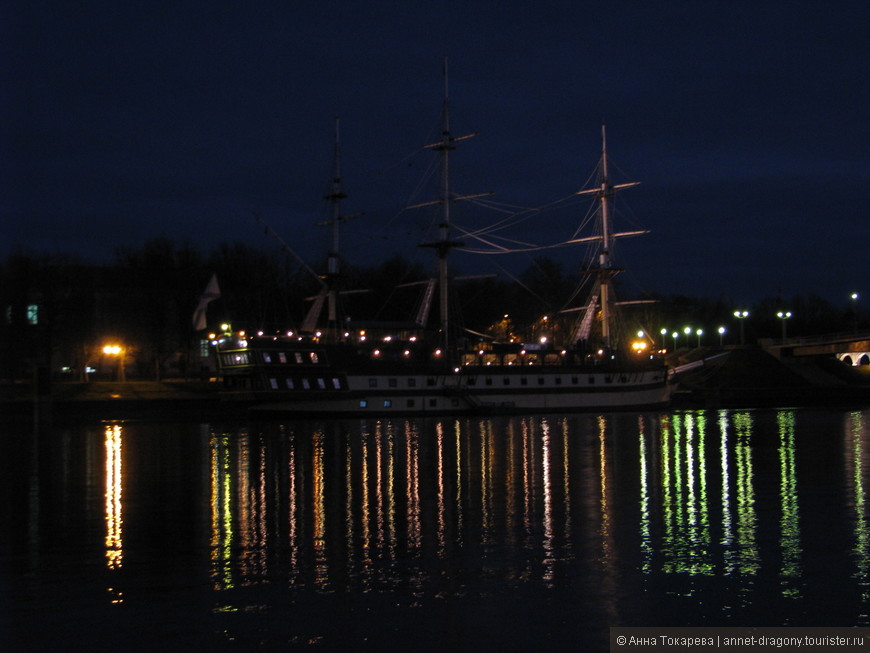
[(402, 369)]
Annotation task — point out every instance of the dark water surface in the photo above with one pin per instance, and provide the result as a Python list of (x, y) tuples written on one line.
[(507, 534)]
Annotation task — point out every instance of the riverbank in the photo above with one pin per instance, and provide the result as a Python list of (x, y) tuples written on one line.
[(745, 377), (116, 400), (752, 377)]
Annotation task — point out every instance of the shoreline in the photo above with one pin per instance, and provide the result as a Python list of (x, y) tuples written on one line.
[(151, 400)]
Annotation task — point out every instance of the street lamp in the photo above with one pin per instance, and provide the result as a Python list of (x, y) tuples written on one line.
[(783, 315), (742, 315), (721, 334), (117, 350), (699, 333), (675, 334)]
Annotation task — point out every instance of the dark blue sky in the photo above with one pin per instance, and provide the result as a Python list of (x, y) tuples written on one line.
[(747, 124)]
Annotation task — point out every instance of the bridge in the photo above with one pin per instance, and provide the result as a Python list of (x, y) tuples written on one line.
[(852, 348)]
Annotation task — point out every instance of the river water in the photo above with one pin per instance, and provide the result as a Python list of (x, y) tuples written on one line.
[(506, 533)]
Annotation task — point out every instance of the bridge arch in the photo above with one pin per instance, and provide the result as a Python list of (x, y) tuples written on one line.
[(855, 358)]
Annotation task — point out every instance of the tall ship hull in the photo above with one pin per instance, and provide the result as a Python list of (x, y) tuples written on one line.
[(284, 375)]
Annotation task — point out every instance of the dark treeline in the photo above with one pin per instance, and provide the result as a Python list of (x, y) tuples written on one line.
[(59, 312)]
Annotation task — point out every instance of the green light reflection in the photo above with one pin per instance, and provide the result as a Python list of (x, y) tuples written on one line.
[(747, 559), (856, 431), (790, 540), (699, 517)]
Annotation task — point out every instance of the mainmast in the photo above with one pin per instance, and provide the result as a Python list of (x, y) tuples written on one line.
[(605, 271), (444, 243), (605, 193)]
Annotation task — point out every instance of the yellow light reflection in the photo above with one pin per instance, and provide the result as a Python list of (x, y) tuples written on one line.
[(293, 497), (244, 504), (460, 489), (486, 481), (348, 500), (549, 546), (605, 527), (380, 518), (366, 498), (390, 491), (221, 512), (442, 489), (528, 470), (321, 566), (412, 486), (566, 476), (114, 489), (511, 483)]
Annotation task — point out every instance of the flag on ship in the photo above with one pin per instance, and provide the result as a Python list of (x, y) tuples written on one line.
[(212, 292)]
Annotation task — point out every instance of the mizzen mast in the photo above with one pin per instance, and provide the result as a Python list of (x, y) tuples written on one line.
[(335, 197)]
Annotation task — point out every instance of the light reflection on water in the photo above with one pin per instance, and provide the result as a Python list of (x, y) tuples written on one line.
[(513, 529), (114, 490), (505, 487)]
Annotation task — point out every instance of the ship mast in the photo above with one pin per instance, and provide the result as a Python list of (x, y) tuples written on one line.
[(335, 198), (605, 194), (605, 271), (445, 243), (329, 281)]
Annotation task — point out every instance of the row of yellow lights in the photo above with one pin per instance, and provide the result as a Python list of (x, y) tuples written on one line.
[(639, 346)]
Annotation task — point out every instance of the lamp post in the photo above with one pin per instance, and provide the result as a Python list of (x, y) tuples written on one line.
[(854, 298), (699, 333), (675, 335), (721, 334), (783, 315), (117, 350), (742, 315)]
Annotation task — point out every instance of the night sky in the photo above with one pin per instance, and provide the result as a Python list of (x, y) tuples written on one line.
[(746, 122)]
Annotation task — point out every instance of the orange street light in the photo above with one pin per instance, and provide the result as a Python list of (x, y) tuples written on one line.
[(117, 350)]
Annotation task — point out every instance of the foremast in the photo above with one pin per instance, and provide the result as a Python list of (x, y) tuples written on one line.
[(330, 281)]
